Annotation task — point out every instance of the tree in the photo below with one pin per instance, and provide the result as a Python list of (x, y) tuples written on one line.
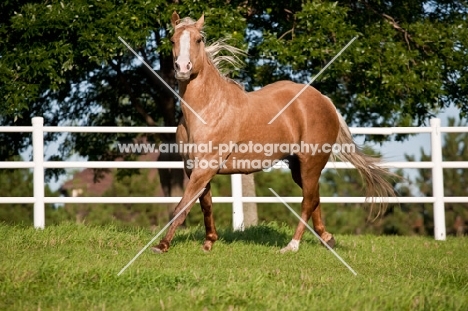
[(249, 208), (65, 62), (62, 60), (407, 62)]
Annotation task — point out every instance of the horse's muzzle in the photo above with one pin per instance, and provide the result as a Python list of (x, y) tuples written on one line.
[(183, 76), (183, 68)]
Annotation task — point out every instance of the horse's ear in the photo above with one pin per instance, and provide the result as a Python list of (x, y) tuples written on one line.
[(174, 19), (200, 22)]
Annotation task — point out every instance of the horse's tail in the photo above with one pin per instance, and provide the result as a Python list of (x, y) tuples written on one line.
[(375, 176)]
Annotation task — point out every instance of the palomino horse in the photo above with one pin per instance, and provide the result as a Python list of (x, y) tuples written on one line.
[(234, 117)]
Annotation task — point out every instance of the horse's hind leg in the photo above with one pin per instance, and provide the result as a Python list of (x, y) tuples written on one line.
[(206, 206), (306, 174)]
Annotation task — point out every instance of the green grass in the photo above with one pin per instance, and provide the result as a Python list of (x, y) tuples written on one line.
[(74, 267)]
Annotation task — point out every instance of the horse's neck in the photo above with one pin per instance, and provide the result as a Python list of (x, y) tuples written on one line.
[(208, 93)]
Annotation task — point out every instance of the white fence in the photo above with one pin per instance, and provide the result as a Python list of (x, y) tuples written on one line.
[(38, 165)]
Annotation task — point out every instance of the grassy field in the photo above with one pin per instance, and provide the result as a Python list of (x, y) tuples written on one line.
[(74, 267)]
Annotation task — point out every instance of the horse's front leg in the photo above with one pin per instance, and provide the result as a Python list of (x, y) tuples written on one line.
[(319, 227), (199, 180), (210, 228)]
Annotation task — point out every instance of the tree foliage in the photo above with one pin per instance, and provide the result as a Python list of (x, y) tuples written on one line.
[(63, 61), (407, 62)]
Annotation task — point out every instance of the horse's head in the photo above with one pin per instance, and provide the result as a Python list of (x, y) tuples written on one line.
[(188, 47)]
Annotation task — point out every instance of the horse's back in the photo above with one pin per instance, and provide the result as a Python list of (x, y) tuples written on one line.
[(311, 110), (282, 92), (284, 86)]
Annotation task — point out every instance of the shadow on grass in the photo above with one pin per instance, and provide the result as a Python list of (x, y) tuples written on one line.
[(270, 235)]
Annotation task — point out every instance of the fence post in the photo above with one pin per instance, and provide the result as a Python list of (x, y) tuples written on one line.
[(237, 205), (38, 172), (437, 180)]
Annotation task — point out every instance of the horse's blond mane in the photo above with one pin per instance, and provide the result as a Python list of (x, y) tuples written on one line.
[(186, 21), (221, 61), (215, 51)]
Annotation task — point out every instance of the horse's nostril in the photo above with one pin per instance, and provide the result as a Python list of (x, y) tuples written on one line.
[(189, 65), (177, 67)]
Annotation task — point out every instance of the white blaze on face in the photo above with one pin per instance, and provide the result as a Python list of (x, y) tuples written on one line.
[(183, 60)]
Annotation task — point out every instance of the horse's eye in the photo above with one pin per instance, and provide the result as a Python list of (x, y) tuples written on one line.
[(199, 40), (172, 42)]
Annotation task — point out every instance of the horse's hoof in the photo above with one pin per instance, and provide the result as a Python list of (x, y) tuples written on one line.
[(293, 246), (329, 239), (162, 247), (207, 246), (157, 250), (288, 249)]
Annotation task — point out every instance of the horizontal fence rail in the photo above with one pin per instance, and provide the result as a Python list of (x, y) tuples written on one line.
[(38, 165)]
